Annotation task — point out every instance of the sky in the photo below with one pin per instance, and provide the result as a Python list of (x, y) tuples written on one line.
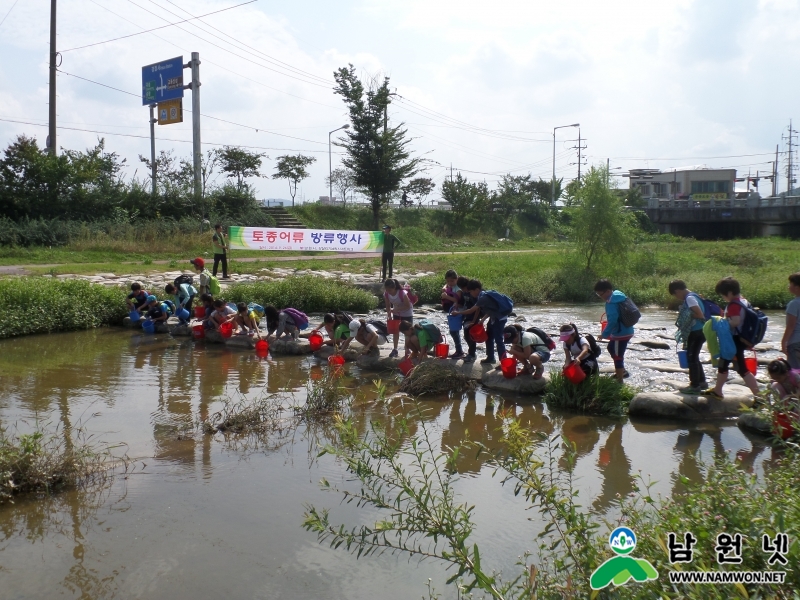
[(480, 85)]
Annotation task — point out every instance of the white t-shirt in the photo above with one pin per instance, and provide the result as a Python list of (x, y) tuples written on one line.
[(576, 348), (397, 300), (356, 325)]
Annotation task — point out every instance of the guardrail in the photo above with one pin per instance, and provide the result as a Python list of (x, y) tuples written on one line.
[(658, 203)]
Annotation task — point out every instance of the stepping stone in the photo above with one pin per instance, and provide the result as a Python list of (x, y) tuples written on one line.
[(654, 344), (290, 347), (524, 385), (755, 423), (674, 405)]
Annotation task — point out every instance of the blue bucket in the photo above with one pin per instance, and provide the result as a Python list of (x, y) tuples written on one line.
[(454, 322), (183, 314), (135, 316), (148, 326), (683, 359)]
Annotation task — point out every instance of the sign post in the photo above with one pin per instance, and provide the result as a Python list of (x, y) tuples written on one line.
[(197, 151), (153, 150)]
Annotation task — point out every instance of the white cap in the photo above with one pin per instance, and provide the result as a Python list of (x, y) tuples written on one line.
[(355, 325)]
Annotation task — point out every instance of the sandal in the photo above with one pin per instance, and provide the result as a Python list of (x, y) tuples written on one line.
[(713, 394)]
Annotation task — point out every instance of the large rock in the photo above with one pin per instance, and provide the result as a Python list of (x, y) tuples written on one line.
[(290, 347), (674, 405), (245, 342), (181, 330), (755, 422), (379, 361), (352, 352), (525, 385), (653, 344)]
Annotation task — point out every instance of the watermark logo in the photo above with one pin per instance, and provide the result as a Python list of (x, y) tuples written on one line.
[(620, 569)]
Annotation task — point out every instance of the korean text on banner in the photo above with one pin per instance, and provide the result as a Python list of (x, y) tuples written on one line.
[(316, 240)]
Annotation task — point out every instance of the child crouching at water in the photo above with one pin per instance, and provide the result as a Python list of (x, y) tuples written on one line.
[(365, 334), (337, 331), (282, 322), (785, 380), (418, 341), (246, 320), (528, 348), (579, 348), (222, 314)]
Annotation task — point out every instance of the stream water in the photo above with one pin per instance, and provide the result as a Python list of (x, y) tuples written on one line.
[(200, 516)]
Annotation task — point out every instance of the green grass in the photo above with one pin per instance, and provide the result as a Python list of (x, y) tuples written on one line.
[(596, 394), (309, 294)]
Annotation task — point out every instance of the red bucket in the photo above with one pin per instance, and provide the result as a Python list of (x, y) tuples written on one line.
[(508, 366), (200, 312), (262, 346), (406, 367), (199, 331), (226, 329), (574, 373), (783, 425), (751, 363), (337, 360), (315, 340), (442, 350), (393, 326), (603, 323), (478, 333)]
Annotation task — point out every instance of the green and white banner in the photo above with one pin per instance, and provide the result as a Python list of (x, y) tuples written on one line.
[(316, 240)]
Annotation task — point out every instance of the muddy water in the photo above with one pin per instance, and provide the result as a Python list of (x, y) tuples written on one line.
[(204, 517)]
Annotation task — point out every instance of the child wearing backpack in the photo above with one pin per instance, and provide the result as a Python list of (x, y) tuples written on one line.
[(790, 342), (246, 320), (337, 330), (288, 321), (583, 349), (617, 332), (495, 307), (528, 348), (184, 296), (366, 334), (208, 283), (398, 306), (730, 291), (156, 311), (692, 316), (418, 339), (467, 302)]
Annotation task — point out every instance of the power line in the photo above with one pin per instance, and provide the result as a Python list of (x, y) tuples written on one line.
[(693, 157), (154, 28), (8, 13)]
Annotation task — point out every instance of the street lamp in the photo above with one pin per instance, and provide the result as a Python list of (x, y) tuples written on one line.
[(330, 163), (553, 190)]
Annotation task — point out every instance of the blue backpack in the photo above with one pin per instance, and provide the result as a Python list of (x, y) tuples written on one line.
[(504, 304), (710, 308), (753, 325)]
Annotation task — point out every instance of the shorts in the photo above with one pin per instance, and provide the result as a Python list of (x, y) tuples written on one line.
[(793, 355), (543, 355), (741, 367), (381, 339), (616, 348)]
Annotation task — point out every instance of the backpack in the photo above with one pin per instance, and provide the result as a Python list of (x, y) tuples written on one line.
[(753, 325), (710, 308), (181, 279), (168, 306), (412, 297), (505, 305), (343, 317), (380, 326), (594, 348), (548, 341), (300, 319), (213, 285), (432, 330), (257, 309), (629, 314)]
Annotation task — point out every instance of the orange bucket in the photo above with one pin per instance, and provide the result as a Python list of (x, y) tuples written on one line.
[(315, 340), (478, 333), (508, 366), (406, 367), (199, 331), (336, 360), (751, 363), (226, 329), (442, 350), (393, 326), (574, 373), (783, 425), (262, 346)]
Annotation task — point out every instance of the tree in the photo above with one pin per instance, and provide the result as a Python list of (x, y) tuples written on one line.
[(292, 169), (465, 198), (376, 154), (419, 188), (239, 163), (571, 192), (601, 224), (342, 181), (513, 194)]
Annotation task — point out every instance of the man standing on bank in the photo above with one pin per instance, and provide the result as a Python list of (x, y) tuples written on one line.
[(389, 244), (220, 243)]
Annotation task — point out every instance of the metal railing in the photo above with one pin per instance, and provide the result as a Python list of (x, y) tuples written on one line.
[(666, 203)]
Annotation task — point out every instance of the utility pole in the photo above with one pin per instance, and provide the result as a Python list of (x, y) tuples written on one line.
[(451, 172), (153, 122), (580, 147), (775, 173), (608, 166), (51, 139), (197, 151)]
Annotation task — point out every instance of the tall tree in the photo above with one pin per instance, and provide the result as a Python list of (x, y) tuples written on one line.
[(419, 189), (465, 198), (376, 153), (292, 169), (601, 224), (239, 163), (342, 181)]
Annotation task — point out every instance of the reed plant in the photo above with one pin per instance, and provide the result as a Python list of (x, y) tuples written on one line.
[(597, 394)]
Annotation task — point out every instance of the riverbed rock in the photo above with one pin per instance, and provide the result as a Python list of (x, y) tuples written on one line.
[(352, 352), (666, 368), (379, 361), (755, 422), (126, 322), (290, 347), (180, 330), (655, 344), (674, 405), (524, 385)]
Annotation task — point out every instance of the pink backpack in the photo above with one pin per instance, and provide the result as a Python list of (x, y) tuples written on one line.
[(412, 297)]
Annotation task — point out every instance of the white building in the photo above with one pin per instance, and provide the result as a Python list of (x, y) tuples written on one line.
[(683, 183)]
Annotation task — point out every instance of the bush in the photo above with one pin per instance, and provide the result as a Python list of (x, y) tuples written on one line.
[(31, 305), (308, 293), (595, 394)]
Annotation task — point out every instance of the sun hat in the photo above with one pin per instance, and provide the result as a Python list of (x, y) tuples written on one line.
[(565, 335), (355, 325), (198, 262)]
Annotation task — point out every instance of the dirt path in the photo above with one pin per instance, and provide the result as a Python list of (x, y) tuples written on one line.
[(23, 269)]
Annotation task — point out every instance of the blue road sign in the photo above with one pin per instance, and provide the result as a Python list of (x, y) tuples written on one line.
[(162, 81)]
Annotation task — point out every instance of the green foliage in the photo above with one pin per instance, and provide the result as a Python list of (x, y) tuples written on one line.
[(465, 198), (309, 294), (239, 163), (419, 189), (33, 305), (293, 170), (342, 181), (596, 395)]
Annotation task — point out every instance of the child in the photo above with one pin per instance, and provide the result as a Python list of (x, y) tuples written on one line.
[(365, 334), (418, 342), (617, 334), (487, 307), (246, 320), (156, 311), (398, 306), (730, 290), (137, 299), (222, 314), (790, 343), (208, 305), (451, 294), (337, 331), (184, 296), (578, 348), (281, 322), (693, 314), (204, 276), (528, 348), (786, 381), (467, 302)]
